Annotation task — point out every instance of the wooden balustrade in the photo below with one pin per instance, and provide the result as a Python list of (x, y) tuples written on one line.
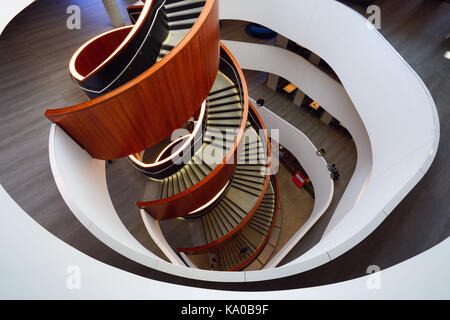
[(189, 200), (218, 242), (145, 111)]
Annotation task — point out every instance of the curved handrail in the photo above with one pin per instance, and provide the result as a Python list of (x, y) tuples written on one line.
[(74, 60), (119, 122), (133, 11), (170, 164), (194, 197), (147, 34), (256, 120)]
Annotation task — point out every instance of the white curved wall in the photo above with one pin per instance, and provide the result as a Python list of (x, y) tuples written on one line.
[(316, 168), (37, 267), (320, 26), (394, 105), (154, 230), (9, 11), (327, 92), (81, 180)]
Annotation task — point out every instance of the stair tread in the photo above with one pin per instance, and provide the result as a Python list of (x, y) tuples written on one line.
[(192, 12), (206, 230), (179, 5), (175, 36), (183, 22)]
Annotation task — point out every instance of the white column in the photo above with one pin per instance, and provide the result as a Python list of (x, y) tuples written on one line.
[(299, 96), (326, 117), (314, 58), (113, 12), (281, 41), (272, 81)]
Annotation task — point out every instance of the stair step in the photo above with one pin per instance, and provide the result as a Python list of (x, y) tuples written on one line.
[(176, 185), (263, 224), (223, 125), (184, 14), (249, 185), (244, 189), (170, 187), (227, 218), (187, 181), (223, 89), (221, 224), (182, 24), (198, 172), (164, 189), (175, 36), (253, 237), (228, 210), (167, 47), (225, 111), (225, 117), (206, 229), (232, 101), (249, 168), (233, 95), (257, 182), (249, 175), (232, 206), (210, 228), (183, 5), (248, 242), (216, 225), (192, 175), (263, 218)]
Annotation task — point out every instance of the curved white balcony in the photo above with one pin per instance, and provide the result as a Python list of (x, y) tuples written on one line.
[(395, 108), (385, 93)]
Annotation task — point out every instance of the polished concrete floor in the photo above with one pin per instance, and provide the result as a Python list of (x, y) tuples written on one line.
[(34, 51)]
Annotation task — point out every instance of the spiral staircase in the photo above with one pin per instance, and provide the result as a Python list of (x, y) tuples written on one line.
[(148, 79)]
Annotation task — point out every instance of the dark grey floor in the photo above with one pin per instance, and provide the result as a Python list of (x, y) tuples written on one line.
[(34, 52), (35, 49)]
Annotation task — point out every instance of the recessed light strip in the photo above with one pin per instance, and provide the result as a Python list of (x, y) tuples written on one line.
[(197, 127)]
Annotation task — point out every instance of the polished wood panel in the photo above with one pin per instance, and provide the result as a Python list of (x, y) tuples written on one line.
[(147, 109), (192, 198), (220, 241), (134, 12), (202, 192)]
